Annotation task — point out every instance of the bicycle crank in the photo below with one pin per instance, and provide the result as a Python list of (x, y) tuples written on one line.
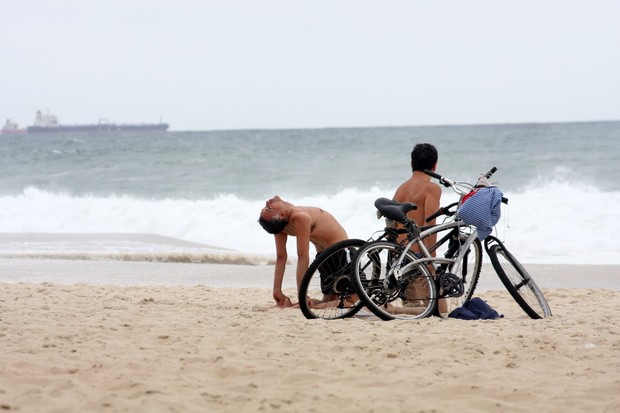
[(450, 285)]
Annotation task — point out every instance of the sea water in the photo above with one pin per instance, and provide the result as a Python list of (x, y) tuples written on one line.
[(195, 192)]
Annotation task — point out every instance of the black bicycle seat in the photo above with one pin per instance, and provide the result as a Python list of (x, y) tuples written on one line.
[(394, 210)]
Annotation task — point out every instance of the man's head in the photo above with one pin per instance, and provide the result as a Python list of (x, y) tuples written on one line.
[(273, 216), (423, 156), (274, 226)]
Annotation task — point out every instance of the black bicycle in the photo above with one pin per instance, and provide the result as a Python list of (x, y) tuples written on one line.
[(327, 290)]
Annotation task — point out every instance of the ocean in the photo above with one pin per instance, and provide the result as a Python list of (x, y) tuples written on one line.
[(193, 195)]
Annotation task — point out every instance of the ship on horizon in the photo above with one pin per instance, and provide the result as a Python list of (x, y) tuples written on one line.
[(12, 128), (48, 123)]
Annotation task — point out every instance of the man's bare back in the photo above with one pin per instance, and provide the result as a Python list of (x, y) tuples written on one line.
[(421, 191), (324, 228)]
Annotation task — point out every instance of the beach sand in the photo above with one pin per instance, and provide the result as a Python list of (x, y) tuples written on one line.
[(169, 347)]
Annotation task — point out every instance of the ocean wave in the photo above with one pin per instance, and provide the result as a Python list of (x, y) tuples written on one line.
[(120, 247), (168, 257), (547, 221)]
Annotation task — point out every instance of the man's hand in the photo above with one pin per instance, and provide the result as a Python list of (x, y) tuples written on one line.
[(281, 300)]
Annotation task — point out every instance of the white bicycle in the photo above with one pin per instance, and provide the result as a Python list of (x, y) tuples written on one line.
[(395, 283)]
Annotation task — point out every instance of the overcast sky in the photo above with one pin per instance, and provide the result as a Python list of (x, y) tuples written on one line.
[(206, 64)]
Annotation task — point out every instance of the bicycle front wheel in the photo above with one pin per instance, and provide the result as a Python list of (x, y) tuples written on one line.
[(327, 291), (517, 280), (392, 290)]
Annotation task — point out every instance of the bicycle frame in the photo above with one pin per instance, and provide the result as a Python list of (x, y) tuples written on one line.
[(416, 235), (453, 263)]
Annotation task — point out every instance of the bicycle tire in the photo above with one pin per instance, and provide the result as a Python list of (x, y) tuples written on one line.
[(406, 294), (469, 272), (334, 263), (517, 280)]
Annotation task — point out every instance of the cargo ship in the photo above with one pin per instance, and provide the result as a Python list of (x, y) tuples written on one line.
[(12, 128), (48, 123)]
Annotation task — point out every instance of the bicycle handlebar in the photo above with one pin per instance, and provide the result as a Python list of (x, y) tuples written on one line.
[(444, 181), (488, 175), (448, 183), (491, 172), (442, 211)]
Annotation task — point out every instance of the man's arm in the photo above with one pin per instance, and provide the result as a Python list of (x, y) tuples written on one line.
[(399, 196), (431, 204), (278, 273), (302, 224)]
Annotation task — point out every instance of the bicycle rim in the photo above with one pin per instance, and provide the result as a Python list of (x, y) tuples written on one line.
[(391, 292), (327, 291), (519, 283)]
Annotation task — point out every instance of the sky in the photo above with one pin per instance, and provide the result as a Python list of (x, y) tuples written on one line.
[(273, 64)]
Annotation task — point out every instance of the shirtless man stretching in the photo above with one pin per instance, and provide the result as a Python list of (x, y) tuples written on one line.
[(308, 225)]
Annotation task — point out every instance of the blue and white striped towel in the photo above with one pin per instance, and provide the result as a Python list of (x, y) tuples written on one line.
[(482, 210)]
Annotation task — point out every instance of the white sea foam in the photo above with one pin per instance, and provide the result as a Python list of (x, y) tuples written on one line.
[(546, 222)]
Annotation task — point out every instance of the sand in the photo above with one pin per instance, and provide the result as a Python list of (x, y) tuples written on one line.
[(91, 347)]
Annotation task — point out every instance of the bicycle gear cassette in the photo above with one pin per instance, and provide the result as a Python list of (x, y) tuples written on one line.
[(342, 284)]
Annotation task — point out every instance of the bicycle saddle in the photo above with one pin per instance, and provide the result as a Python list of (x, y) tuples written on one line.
[(394, 210)]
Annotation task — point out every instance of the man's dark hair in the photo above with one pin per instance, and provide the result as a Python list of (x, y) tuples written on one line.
[(274, 226), (423, 156)]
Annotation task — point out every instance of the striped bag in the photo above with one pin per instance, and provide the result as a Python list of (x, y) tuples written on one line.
[(482, 209)]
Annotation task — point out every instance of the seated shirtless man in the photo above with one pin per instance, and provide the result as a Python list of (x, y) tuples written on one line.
[(419, 190), (308, 225)]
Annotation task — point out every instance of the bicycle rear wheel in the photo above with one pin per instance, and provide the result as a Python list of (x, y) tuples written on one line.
[(517, 280), (389, 290), (327, 291)]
